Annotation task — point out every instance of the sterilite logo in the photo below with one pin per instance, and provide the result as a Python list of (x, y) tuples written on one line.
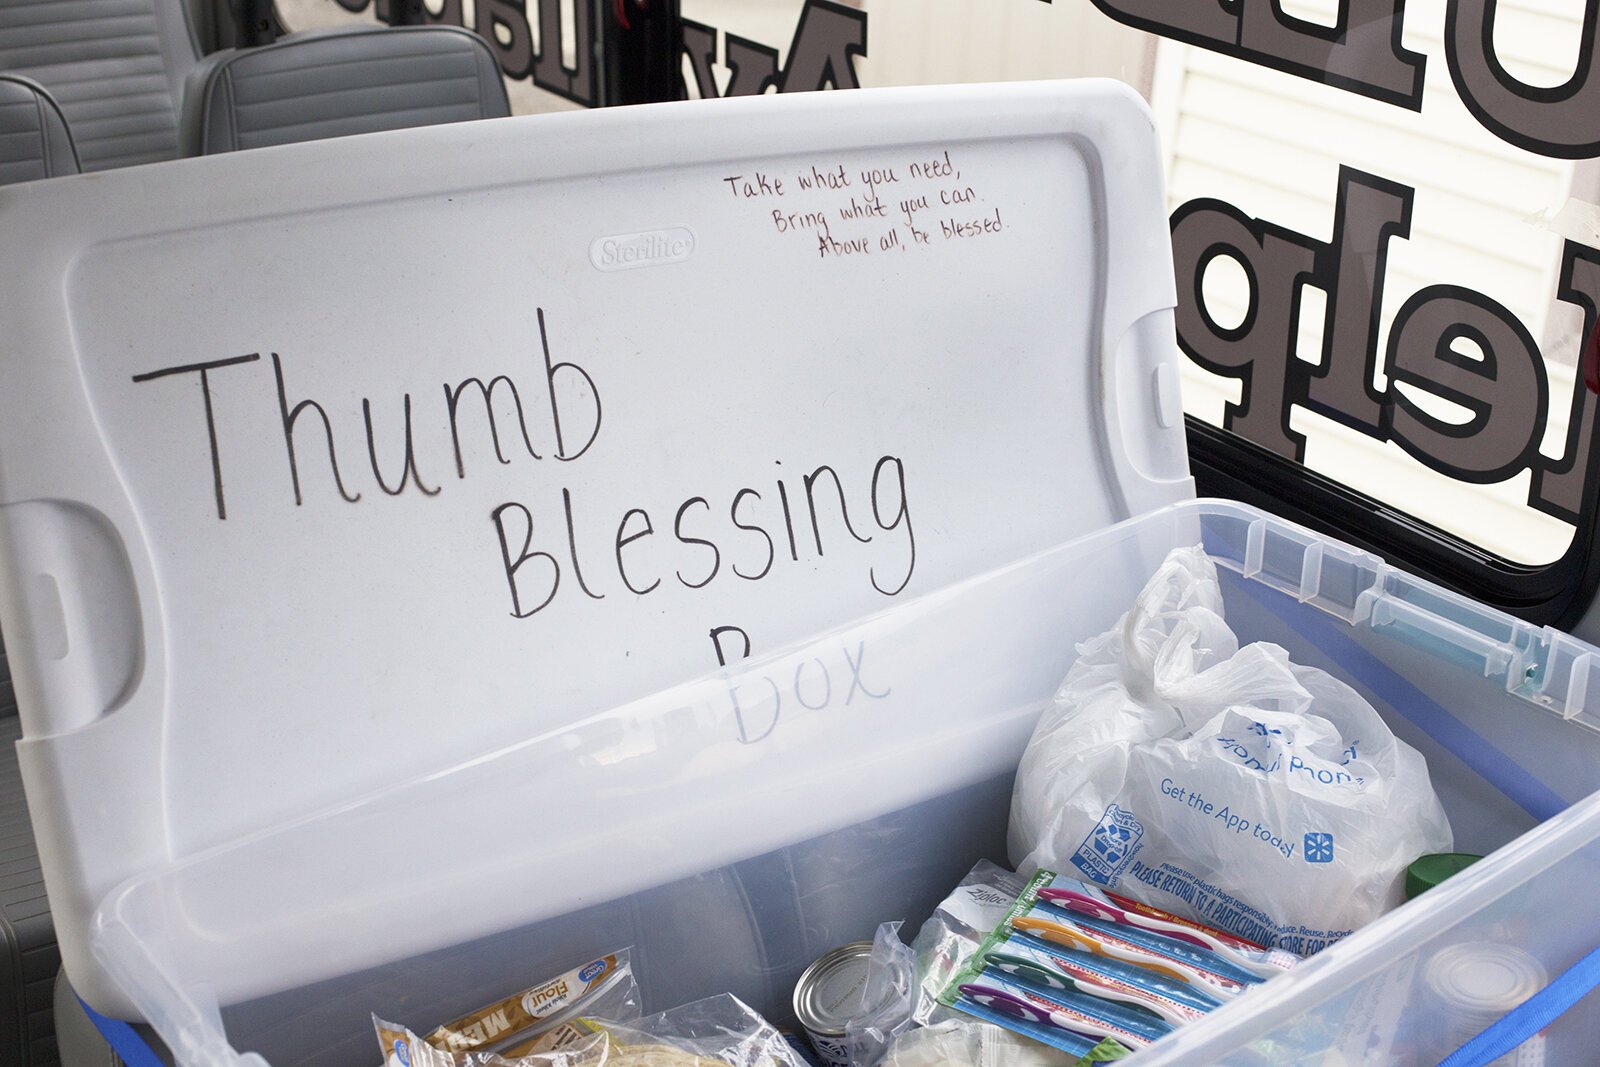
[(626, 251)]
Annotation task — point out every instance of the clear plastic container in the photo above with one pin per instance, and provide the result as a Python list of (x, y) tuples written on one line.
[(734, 829)]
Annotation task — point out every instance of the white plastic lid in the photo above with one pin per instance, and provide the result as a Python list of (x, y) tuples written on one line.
[(1484, 978), (779, 363)]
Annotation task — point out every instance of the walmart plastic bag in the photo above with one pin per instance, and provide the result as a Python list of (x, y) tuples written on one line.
[(1221, 783)]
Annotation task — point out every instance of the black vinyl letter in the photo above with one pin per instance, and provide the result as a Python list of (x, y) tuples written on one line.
[(821, 54), (1561, 121), (1506, 391), (550, 70), (1257, 351), (1368, 212), (516, 55), (1558, 485)]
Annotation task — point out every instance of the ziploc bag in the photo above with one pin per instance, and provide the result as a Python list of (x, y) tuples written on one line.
[(1226, 784), (956, 929)]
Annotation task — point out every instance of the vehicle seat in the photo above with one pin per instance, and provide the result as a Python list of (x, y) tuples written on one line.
[(115, 66), (331, 83), (34, 143), (29, 959)]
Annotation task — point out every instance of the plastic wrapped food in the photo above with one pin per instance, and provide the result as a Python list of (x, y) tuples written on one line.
[(720, 1031)]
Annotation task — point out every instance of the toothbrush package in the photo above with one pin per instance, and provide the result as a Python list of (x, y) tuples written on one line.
[(1068, 965)]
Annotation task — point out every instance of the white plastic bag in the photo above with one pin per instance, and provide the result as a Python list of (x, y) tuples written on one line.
[(890, 990), (1228, 785), (955, 930), (905, 981)]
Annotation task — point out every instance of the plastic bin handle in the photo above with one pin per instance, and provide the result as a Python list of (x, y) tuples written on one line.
[(1528, 1018)]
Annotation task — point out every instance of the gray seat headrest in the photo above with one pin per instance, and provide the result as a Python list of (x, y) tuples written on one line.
[(115, 67), (338, 82), (34, 140)]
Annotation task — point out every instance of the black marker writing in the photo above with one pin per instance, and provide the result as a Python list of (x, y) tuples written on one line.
[(555, 405), (452, 398), (772, 550), (810, 481), (903, 515), (716, 643), (290, 417), (523, 556), (703, 534), (716, 553), (622, 542), (572, 546), (408, 472), (204, 370)]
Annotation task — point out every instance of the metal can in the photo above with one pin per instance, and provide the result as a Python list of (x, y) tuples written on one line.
[(829, 995), (1476, 982)]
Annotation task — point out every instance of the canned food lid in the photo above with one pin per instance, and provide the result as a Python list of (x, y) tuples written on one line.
[(829, 993), (1430, 870), (1485, 977)]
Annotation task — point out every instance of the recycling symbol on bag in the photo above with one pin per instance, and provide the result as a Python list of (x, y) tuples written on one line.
[(1110, 846)]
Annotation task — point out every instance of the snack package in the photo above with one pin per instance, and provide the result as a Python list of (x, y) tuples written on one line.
[(542, 1018), (720, 1031), (402, 1048), (1224, 784)]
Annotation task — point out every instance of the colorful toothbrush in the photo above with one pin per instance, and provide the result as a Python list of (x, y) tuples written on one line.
[(1168, 963), (1071, 1012), (1078, 898)]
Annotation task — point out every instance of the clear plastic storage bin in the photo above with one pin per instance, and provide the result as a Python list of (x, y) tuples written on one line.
[(587, 827)]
